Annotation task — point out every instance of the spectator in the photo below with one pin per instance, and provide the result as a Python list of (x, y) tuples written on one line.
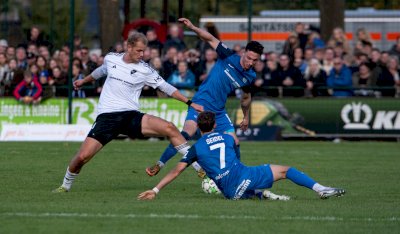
[(77, 42), (194, 64), (289, 77), (44, 51), (3, 45), (154, 53), (29, 90), (20, 55), (340, 79), (238, 48), (315, 78), (32, 48), (308, 54), (60, 82), (35, 36), (14, 76), (10, 52), (207, 64), (364, 80), (301, 35), (77, 74), (290, 45), (118, 47), (299, 61), (153, 42), (30, 58), (272, 56), (363, 40), (171, 60), (315, 41), (87, 64), (327, 63), (4, 69), (203, 46), (174, 39), (395, 50), (338, 38), (34, 69), (263, 83), (389, 80), (183, 79)]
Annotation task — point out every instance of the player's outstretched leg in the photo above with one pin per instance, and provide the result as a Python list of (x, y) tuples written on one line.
[(87, 151), (302, 179)]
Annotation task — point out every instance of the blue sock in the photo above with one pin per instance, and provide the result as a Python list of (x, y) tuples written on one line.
[(299, 178), (170, 151)]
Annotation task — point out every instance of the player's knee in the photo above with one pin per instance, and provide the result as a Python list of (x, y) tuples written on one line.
[(171, 129)]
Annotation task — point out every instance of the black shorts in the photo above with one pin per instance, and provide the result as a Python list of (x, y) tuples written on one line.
[(109, 125)]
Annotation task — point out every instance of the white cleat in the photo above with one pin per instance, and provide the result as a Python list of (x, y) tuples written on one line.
[(331, 192), (272, 196)]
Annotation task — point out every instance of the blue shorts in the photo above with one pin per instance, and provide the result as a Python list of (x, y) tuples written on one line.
[(224, 123), (252, 178)]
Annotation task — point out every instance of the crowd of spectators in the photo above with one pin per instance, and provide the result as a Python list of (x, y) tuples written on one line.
[(306, 67)]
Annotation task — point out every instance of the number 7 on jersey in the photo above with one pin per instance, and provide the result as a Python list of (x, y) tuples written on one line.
[(221, 147)]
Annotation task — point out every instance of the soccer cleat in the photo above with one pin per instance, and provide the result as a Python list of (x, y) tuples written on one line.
[(153, 170), (272, 196), (60, 189), (331, 192), (201, 173)]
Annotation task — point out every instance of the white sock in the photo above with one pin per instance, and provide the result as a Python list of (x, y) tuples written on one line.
[(161, 164), (68, 179), (318, 188), (183, 149), (196, 166)]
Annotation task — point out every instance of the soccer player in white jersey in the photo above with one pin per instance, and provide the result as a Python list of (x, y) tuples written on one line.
[(118, 108)]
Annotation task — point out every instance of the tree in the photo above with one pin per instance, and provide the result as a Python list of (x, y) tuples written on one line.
[(110, 23), (331, 16)]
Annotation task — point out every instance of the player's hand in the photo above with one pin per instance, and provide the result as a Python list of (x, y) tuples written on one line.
[(147, 195), (197, 107), (244, 124), (186, 22), (78, 84)]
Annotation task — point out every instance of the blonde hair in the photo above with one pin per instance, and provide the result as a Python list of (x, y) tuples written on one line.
[(135, 37), (308, 73)]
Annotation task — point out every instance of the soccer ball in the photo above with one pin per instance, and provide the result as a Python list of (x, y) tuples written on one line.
[(208, 185)]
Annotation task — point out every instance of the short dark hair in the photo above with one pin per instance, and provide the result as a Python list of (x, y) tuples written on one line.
[(255, 46), (206, 121)]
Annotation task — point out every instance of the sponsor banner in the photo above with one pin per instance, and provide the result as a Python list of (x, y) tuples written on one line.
[(348, 116), (84, 111), (44, 132)]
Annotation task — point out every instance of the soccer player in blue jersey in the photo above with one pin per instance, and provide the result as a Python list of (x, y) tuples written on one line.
[(230, 72), (217, 154)]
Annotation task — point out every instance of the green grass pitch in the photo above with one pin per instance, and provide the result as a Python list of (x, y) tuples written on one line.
[(103, 198)]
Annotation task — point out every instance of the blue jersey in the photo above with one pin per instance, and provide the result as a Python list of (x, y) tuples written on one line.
[(216, 154), (226, 76)]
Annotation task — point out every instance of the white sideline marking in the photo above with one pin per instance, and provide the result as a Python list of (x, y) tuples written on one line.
[(191, 216)]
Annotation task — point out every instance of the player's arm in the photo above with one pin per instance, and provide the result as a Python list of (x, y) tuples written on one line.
[(245, 103), (174, 92), (151, 194), (96, 74), (203, 34)]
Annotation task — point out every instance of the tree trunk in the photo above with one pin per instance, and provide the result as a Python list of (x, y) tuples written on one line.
[(110, 24), (331, 16)]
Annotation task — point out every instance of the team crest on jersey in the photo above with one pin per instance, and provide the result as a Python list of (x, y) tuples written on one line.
[(133, 72), (115, 66)]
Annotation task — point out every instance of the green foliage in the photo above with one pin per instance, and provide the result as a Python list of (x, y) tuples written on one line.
[(103, 198)]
